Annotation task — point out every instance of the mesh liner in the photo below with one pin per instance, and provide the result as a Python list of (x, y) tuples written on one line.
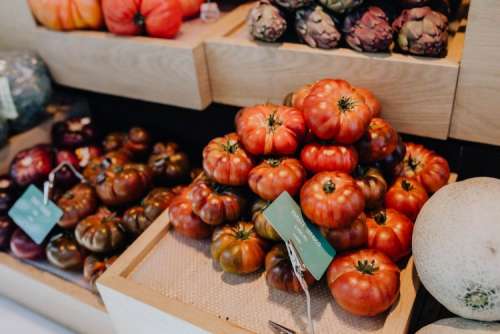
[(182, 269)]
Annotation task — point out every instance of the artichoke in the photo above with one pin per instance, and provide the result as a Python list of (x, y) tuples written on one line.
[(292, 4), (422, 31), (368, 30), (341, 6), (266, 22), (316, 28)]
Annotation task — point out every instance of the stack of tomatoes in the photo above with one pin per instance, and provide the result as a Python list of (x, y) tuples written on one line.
[(354, 177)]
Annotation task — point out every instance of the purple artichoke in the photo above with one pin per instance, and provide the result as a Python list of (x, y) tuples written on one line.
[(368, 30), (292, 4), (341, 6), (316, 28), (422, 31), (266, 22)]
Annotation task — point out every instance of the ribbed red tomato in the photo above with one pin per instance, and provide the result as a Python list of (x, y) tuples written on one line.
[(296, 99), (270, 129), (407, 196), (183, 219), (273, 176), (390, 232), (352, 236), (427, 167), (332, 199), (156, 18), (334, 110), (373, 185), (328, 158), (364, 283), (378, 142), (226, 162)]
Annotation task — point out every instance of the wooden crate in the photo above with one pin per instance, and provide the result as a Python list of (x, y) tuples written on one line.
[(69, 304), (417, 93), (126, 293), (476, 115), (158, 70)]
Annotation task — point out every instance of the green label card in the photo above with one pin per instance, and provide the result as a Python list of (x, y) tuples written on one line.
[(285, 216), (33, 216), (7, 107)]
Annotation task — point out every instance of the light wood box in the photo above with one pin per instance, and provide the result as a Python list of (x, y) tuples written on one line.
[(476, 116), (168, 71), (417, 93), (136, 304), (62, 301)]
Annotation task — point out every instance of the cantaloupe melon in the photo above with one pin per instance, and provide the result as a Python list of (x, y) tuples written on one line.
[(456, 247), (460, 326)]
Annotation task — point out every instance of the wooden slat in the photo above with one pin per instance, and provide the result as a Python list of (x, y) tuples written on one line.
[(416, 93), (476, 116)]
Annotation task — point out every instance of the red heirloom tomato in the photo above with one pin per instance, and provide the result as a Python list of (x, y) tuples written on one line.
[(74, 132), (94, 267), (370, 100), (332, 199), (226, 162), (328, 158), (98, 165), (407, 196), (63, 252), (379, 141), (77, 203), (262, 226), (333, 110), (273, 176), (215, 203), (428, 168), (371, 181), (279, 271), (169, 163), (114, 141), (184, 221), (32, 165), (387, 164), (390, 232), (100, 232), (137, 141), (238, 249), (156, 18), (364, 283), (354, 235), (23, 247), (64, 177), (270, 129), (122, 184), (296, 99)]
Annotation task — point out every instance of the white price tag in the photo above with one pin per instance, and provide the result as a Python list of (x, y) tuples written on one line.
[(7, 107)]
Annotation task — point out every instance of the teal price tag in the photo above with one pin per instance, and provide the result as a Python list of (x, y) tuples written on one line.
[(285, 216), (33, 216)]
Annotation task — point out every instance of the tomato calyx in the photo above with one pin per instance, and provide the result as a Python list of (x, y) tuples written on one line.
[(407, 186), (139, 20), (345, 104), (380, 217), (241, 233), (367, 268), (231, 147), (412, 163), (329, 187), (273, 121), (273, 162)]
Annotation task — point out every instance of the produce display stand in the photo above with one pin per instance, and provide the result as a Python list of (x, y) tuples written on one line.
[(476, 116), (157, 70), (69, 304), (171, 283), (417, 93)]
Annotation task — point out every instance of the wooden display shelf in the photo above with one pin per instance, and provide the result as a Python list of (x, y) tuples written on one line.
[(417, 93), (126, 295), (168, 71), (69, 304)]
